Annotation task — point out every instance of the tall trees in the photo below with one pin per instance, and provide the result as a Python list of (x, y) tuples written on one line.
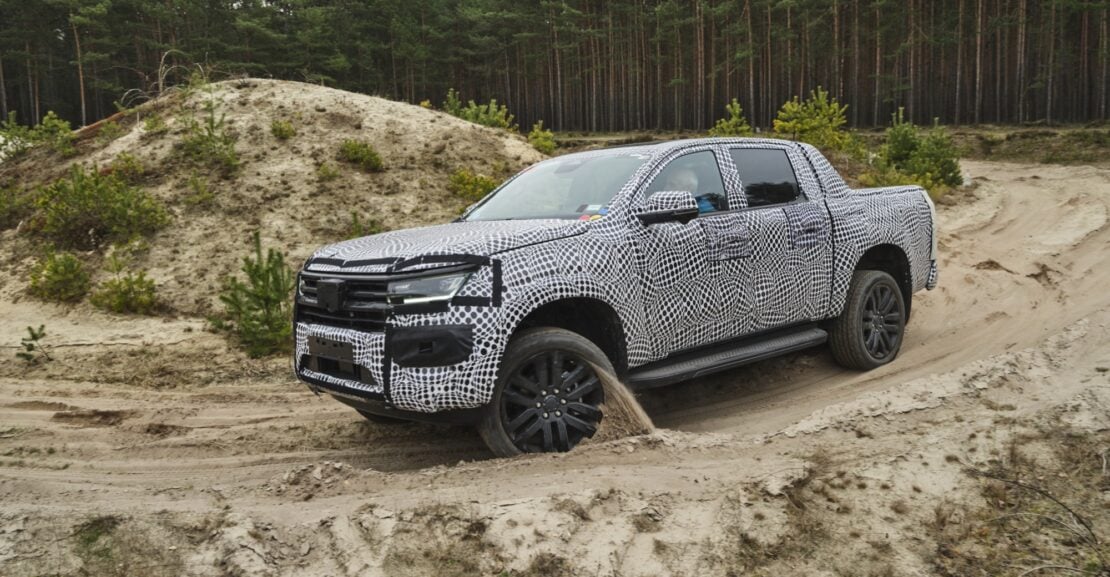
[(581, 64)]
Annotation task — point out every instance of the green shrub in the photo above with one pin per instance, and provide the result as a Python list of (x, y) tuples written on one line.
[(937, 159), (259, 311), (155, 124), (540, 139), (362, 155), (15, 205), (127, 167), (108, 132), (469, 185), (901, 140), (34, 350), (491, 114), (359, 228), (818, 120), (907, 158), (326, 172), (209, 142), (60, 277), (199, 191), (735, 124), (127, 292), (88, 208), (282, 129), (52, 131), (55, 133)]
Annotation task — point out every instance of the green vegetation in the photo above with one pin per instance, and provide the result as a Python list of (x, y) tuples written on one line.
[(259, 311), (326, 172), (735, 124), (542, 140), (470, 186), (53, 132), (33, 350), (580, 65), (127, 292), (208, 142), (15, 205), (60, 277), (155, 124), (818, 120), (108, 132), (282, 129), (362, 155), (127, 167), (199, 191), (931, 161), (359, 228), (88, 208), (490, 114)]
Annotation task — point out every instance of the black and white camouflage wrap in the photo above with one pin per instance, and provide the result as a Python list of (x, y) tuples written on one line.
[(673, 286)]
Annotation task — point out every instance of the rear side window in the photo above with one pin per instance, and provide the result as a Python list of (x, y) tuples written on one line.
[(767, 175)]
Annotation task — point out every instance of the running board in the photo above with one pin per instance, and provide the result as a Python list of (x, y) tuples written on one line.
[(725, 356)]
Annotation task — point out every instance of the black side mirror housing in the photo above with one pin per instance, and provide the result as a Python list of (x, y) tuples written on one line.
[(668, 206)]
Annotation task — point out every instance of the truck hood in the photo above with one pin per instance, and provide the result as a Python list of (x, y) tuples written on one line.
[(478, 238)]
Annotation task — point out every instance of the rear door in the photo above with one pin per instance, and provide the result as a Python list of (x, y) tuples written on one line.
[(787, 273)]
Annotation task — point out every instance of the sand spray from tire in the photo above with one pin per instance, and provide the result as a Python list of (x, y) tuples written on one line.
[(623, 415)]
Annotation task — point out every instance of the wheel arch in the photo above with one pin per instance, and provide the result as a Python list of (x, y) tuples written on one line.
[(891, 259), (593, 318)]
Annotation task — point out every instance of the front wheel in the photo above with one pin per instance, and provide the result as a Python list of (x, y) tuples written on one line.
[(548, 395), (868, 333)]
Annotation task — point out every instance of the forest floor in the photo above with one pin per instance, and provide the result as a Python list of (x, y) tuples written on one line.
[(150, 446)]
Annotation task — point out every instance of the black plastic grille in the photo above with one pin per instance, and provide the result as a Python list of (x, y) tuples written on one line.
[(363, 304)]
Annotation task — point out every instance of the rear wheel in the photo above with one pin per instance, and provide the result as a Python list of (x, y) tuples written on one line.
[(548, 395), (868, 333)]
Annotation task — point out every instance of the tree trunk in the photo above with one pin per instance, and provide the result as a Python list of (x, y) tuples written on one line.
[(1021, 41), (978, 61), (959, 58), (855, 99), (1104, 54), (878, 65), (751, 60), (3, 93)]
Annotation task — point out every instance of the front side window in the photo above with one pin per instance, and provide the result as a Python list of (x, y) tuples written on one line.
[(767, 175), (571, 187), (697, 174)]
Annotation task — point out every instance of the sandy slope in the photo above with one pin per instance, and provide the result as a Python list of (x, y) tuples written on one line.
[(226, 467)]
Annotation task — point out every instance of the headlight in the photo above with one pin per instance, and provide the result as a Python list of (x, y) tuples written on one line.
[(427, 289)]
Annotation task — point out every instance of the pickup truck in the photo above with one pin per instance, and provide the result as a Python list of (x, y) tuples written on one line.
[(656, 263)]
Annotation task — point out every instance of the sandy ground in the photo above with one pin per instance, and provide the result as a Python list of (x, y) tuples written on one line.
[(146, 448)]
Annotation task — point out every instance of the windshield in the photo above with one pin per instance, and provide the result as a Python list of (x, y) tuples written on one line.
[(574, 187)]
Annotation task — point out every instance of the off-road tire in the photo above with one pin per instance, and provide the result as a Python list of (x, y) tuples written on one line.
[(577, 403), (863, 319)]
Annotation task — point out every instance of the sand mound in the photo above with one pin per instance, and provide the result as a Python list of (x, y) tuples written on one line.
[(278, 190)]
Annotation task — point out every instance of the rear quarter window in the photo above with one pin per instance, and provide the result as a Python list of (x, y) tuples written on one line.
[(767, 175)]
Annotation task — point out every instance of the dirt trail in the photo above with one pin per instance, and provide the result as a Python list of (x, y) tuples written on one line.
[(226, 467)]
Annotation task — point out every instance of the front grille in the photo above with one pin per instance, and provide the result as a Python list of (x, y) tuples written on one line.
[(363, 304)]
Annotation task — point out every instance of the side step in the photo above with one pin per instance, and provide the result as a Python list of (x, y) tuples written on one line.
[(725, 356)]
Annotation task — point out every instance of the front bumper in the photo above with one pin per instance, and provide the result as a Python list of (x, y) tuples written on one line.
[(419, 361), (931, 281)]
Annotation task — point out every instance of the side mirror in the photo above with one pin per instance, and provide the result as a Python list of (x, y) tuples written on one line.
[(668, 206)]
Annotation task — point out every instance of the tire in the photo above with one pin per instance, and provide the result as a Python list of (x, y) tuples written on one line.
[(868, 333), (381, 419), (569, 398)]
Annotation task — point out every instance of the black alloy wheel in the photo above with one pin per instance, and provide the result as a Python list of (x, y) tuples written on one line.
[(869, 331), (549, 393), (882, 321), (551, 402)]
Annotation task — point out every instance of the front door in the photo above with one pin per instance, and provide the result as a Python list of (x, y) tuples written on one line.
[(680, 263)]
